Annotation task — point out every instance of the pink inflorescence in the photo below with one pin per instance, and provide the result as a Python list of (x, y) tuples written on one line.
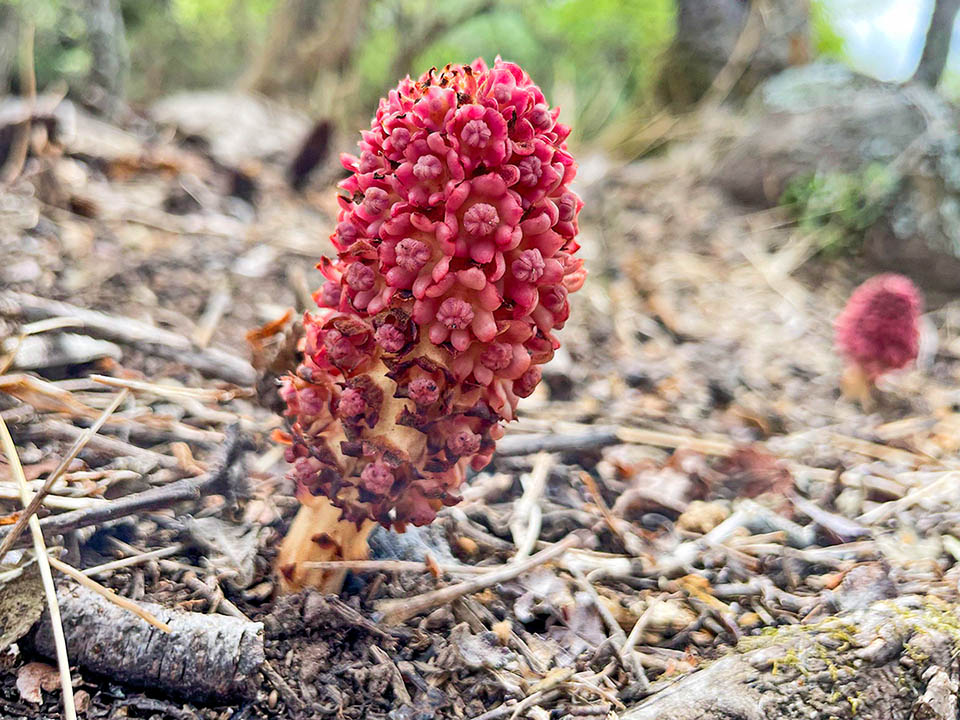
[(878, 330), (455, 256)]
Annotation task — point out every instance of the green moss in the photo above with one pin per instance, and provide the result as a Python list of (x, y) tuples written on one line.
[(855, 703), (838, 208)]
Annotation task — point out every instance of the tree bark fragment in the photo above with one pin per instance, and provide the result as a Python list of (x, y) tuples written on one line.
[(206, 657), (894, 660)]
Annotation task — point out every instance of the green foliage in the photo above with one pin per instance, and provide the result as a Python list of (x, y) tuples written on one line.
[(190, 43), (827, 42), (173, 43), (609, 51), (596, 58), (838, 208), (60, 52)]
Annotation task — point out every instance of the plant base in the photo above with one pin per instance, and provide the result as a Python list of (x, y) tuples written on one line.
[(318, 534), (858, 387)]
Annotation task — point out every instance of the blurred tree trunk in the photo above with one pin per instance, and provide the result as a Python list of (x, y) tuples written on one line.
[(708, 33), (9, 32), (108, 48), (307, 38), (937, 45)]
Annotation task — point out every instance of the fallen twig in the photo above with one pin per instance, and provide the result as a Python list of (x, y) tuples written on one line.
[(109, 594), (392, 612), (626, 652), (395, 566), (152, 499), (603, 436), (72, 453), (204, 655), (209, 361), (518, 444), (132, 560), (60, 430), (884, 511), (168, 391), (527, 515), (217, 304)]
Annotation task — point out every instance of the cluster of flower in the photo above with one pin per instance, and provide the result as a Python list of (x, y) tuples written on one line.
[(455, 256), (879, 329)]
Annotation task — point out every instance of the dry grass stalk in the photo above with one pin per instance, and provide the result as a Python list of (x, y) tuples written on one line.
[(109, 594), (168, 391), (132, 560), (43, 561), (38, 498), (641, 436)]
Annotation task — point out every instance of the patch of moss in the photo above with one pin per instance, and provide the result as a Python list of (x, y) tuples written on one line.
[(838, 208), (855, 703)]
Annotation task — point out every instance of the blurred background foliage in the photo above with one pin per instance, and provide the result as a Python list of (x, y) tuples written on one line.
[(598, 56)]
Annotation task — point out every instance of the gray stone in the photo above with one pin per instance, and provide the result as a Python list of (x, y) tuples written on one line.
[(824, 118)]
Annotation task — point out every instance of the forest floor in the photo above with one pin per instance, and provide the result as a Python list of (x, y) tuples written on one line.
[(692, 424)]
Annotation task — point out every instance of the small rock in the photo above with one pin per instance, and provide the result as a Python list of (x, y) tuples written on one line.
[(27, 270), (702, 516)]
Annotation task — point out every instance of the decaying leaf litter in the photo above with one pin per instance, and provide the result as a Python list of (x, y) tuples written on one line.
[(684, 481)]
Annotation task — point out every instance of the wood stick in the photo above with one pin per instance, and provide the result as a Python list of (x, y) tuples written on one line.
[(206, 656), (393, 612), (152, 499), (523, 444), (619, 637), (395, 566), (72, 453), (43, 562), (209, 361), (603, 436), (527, 516), (168, 391), (132, 560), (60, 430), (217, 304)]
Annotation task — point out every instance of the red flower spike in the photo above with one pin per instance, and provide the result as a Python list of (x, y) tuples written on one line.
[(455, 255), (878, 330)]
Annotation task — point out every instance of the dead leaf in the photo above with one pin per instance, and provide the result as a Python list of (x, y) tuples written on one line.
[(34, 677), (81, 698), (702, 517), (750, 472), (258, 337), (480, 651), (21, 602), (232, 547)]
